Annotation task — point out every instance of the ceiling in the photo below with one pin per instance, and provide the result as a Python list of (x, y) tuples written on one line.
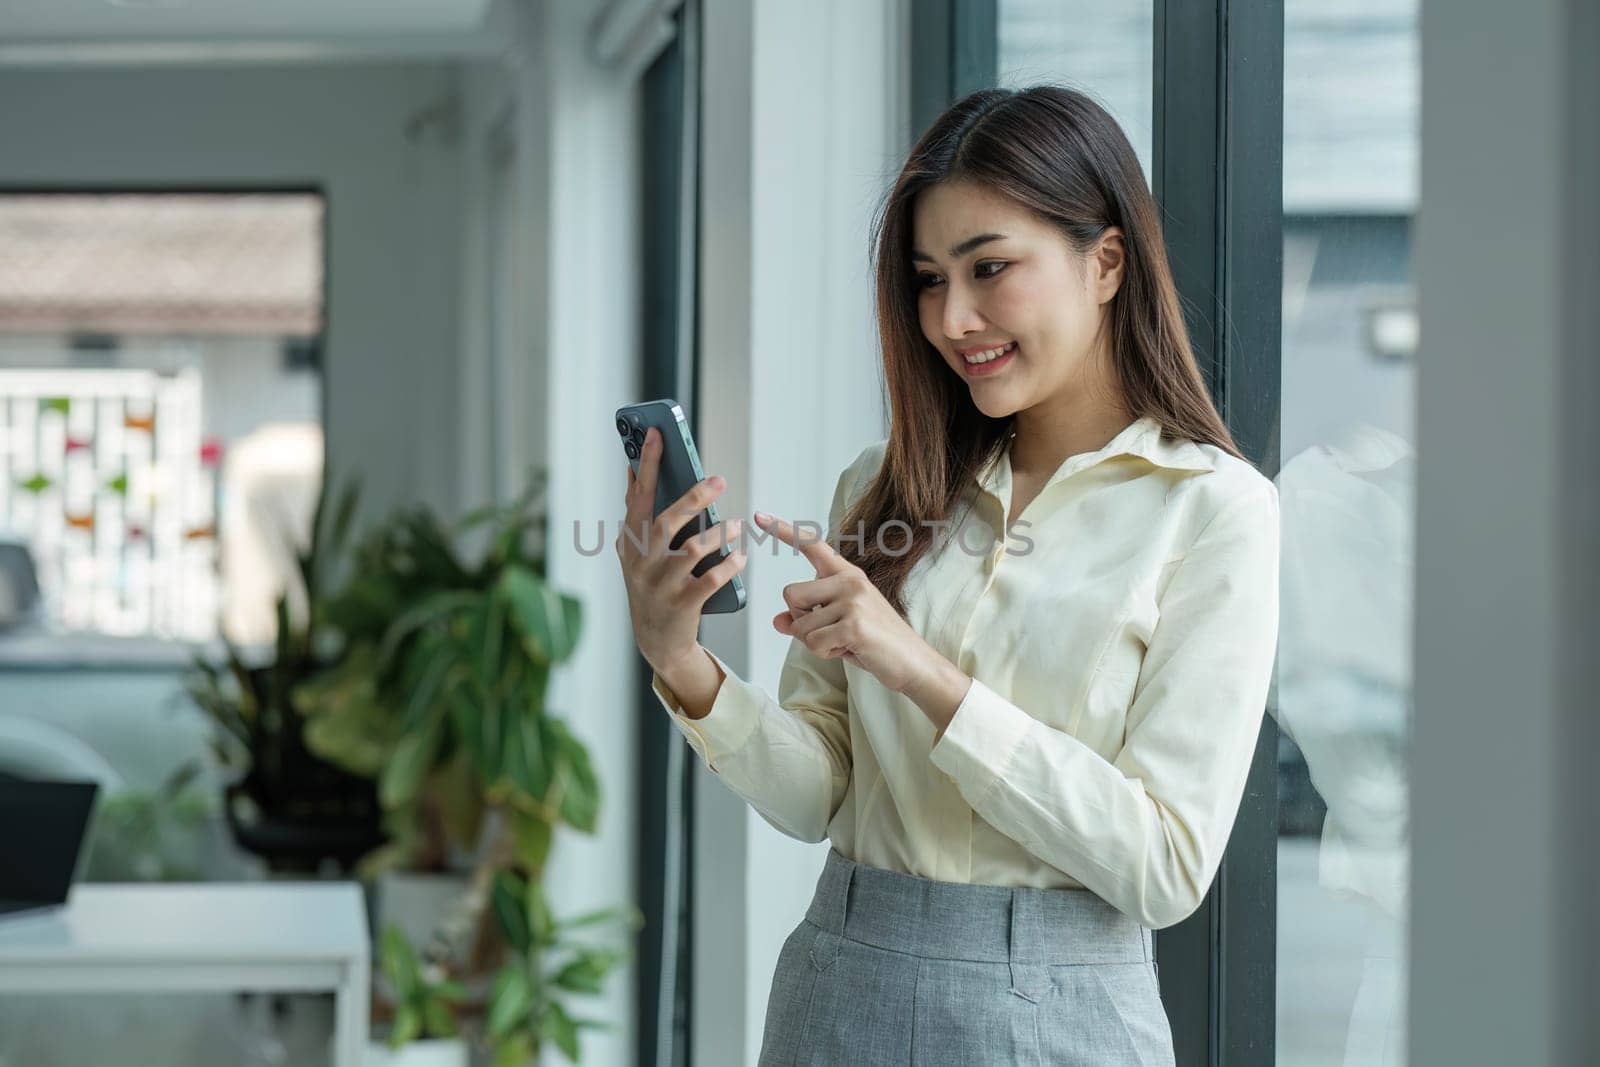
[(56, 32)]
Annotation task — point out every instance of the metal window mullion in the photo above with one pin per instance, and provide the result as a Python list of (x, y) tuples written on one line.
[(670, 95), (1217, 175)]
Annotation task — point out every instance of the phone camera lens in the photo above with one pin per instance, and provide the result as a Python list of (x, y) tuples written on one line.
[(631, 449), (622, 426), (638, 436)]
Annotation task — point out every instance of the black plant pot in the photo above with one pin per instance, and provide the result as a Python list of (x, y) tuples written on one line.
[(294, 809)]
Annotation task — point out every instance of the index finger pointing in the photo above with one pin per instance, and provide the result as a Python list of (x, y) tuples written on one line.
[(822, 555)]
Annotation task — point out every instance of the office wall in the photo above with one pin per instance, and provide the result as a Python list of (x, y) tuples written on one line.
[(804, 130), (393, 234), (551, 320)]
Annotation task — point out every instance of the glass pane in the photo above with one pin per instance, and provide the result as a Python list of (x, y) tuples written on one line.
[(1099, 48), (1343, 689)]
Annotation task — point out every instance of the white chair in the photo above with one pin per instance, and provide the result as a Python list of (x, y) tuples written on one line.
[(34, 749)]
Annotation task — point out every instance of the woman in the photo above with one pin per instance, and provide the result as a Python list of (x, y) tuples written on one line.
[(1023, 691)]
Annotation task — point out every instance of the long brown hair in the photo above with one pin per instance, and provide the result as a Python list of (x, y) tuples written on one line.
[(1056, 152)]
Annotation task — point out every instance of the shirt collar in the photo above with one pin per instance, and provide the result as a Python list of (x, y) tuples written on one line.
[(1142, 438)]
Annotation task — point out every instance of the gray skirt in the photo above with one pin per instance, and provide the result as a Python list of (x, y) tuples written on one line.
[(889, 968)]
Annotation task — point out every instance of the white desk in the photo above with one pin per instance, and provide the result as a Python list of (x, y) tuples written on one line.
[(201, 937)]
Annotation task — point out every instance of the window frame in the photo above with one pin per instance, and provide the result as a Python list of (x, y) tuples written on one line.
[(669, 195)]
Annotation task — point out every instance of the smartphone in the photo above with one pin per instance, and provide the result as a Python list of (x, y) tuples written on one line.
[(679, 471)]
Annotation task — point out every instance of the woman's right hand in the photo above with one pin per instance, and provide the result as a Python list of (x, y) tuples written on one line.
[(664, 596)]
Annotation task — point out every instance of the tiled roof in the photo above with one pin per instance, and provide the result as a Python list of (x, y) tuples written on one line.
[(161, 263)]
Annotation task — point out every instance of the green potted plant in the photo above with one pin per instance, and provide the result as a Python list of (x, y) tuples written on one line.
[(286, 804), (154, 835), (426, 1030), (440, 694)]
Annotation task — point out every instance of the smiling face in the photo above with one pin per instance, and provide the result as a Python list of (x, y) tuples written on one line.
[(993, 278)]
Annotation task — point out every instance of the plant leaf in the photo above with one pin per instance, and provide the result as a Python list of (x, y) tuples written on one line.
[(346, 513), (399, 961), (412, 760), (549, 622), (540, 922), (476, 517), (538, 765), (407, 1025), (383, 858), (437, 1018), (451, 991), (515, 1051), (513, 756), (348, 721), (509, 1000), (579, 800), (460, 796), (558, 1026), (468, 724), (587, 970), (508, 892), (531, 839), (432, 608), (630, 917), (436, 658), (494, 631)]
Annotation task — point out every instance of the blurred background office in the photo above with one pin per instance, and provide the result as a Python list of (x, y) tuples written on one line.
[(253, 255)]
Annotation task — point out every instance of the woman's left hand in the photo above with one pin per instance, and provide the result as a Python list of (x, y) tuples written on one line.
[(840, 614)]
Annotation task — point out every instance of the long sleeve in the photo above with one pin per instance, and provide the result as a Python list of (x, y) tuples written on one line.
[(1146, 830), (790, 757)]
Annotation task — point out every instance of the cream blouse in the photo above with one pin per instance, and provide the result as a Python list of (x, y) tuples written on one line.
[(1121, 640)]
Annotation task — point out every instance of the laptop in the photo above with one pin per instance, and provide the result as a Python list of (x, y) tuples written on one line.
[(42, 828)]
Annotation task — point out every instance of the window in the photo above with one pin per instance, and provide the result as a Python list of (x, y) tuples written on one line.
[(1101, 49), (1332, 391), (1194, 90), (160, 405), (1347, 487)]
